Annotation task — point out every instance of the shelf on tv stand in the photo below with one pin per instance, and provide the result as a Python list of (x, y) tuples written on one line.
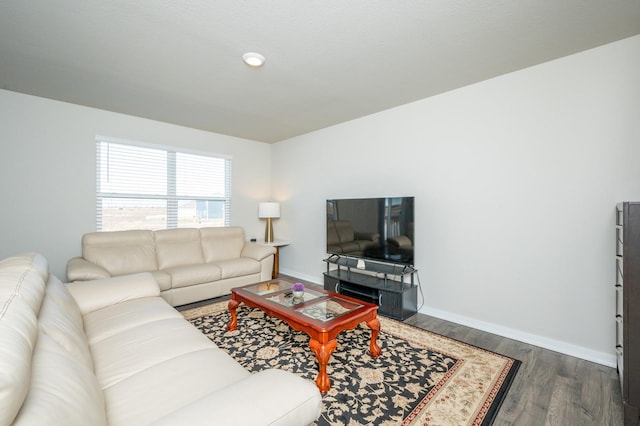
[(381, 283)]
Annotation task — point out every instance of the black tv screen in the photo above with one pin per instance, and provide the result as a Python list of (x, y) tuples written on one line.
[(372, 228)]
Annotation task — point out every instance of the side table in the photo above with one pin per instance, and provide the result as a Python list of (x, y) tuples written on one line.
[(276, 259)]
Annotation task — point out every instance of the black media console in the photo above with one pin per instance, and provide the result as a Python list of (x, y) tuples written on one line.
[(375, 282)]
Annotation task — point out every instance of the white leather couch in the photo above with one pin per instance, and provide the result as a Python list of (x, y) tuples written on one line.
[(112, 352), (189, 264)]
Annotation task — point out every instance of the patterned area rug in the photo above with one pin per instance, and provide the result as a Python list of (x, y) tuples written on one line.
[(421, 378)]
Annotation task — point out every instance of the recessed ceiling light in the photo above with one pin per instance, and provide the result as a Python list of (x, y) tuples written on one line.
[(253, 59)]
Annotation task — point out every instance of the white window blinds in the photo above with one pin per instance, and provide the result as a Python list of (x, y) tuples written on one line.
[(143, 187)]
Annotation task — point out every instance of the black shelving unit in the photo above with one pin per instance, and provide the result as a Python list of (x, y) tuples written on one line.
[(375, 282)]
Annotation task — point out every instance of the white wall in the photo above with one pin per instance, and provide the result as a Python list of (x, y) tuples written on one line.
[(515, 180), (47, 170)]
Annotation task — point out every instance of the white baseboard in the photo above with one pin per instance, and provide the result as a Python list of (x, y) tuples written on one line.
[(603, 358)]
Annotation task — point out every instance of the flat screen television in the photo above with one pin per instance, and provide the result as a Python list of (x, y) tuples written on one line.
[(379, 229)]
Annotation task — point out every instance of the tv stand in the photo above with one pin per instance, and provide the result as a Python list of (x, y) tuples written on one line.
[(375, 282)]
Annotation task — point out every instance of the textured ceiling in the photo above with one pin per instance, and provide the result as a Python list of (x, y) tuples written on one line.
[(328, 61)]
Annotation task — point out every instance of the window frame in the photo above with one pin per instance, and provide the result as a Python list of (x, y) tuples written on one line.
[(171, 197)]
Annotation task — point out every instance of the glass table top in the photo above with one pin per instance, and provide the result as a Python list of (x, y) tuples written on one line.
[(269, 287), (328, 309), (287, 299)]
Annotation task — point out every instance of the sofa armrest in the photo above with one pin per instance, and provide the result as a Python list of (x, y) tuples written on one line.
[(400, 241), (270, 397), (257, 251), (97, 294), (80, 269)]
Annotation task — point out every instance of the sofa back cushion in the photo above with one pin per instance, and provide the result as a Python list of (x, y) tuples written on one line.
[(61, 320), (24, 276), (332, 234), (222, 243), (345, 231), (22, 285), (178, 247), (121, 252), (63, 391)]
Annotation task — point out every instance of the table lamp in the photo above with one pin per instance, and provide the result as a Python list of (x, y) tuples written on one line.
[(268, 210)]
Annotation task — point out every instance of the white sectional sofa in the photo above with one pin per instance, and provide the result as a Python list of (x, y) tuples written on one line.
[(189, 264), (113, 352)]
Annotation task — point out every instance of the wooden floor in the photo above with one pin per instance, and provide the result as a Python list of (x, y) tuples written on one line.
[(549, 389)]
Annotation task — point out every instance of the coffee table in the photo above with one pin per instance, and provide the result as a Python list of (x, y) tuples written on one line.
[(319, 313)]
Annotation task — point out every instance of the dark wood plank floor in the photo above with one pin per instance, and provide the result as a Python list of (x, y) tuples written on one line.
[(550, 388)]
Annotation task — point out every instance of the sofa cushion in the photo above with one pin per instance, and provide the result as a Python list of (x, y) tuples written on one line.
[(63, 391), (129, 352), (350, 247), (344, 230), (121, 252), (18, 331), (239, 267), (332, 234), (24, 276), (29, 261), (98, 294), (222, 243), (176, 247), (188, 275), (61, 320), (22, 285), (192, 376), (298, 403), (115, 319)]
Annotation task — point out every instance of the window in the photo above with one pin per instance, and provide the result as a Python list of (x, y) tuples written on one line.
[(146, 187)]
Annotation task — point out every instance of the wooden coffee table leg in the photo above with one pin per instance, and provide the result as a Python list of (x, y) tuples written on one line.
[(374, 349), (323, 353), (233, 324)]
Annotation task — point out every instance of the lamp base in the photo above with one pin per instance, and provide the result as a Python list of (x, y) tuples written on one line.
[(268, 232)]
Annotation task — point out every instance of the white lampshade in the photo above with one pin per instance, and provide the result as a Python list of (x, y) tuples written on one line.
[(268, 209)]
